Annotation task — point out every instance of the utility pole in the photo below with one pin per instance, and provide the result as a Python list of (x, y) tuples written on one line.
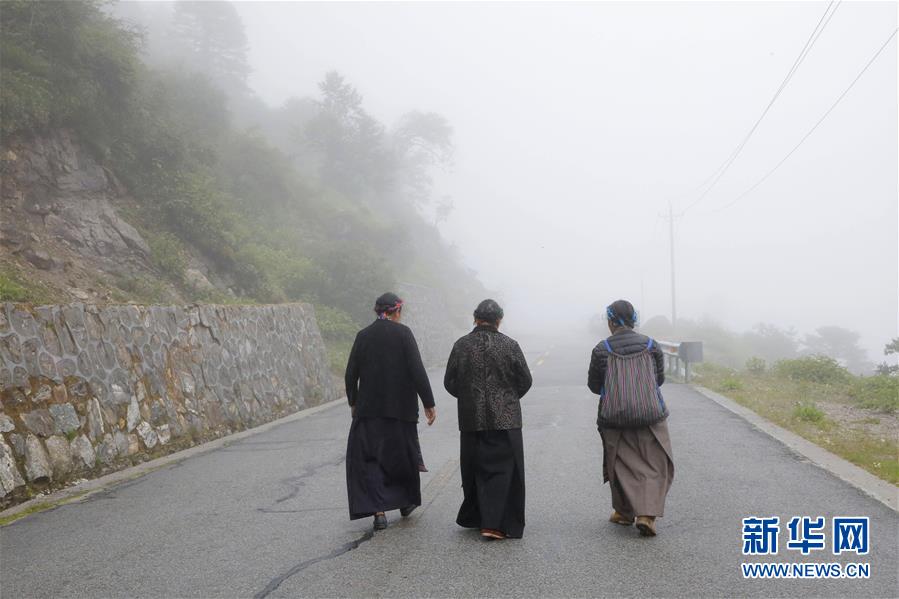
[(673, 292)]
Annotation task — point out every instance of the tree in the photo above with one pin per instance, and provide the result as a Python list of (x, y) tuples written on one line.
[(211, 40), (840, 344), (351, 143), (885, 367), (772, 343), (421, 141)]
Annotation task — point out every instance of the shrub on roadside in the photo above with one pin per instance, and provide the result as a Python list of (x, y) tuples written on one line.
[(813, 369), (808, 412), (880, 392), (756, 365)]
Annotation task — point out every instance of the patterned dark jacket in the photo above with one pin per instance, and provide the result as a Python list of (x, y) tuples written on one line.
[(488, 374)]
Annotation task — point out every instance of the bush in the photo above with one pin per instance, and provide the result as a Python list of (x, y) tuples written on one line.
[(879, 392), (335, 325), (808, 412), (731, 384), (756, 365), (168, 255), (813, 369), (11, 291)]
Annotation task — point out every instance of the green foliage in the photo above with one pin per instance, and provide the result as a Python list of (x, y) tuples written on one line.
[(813, 369), (168, 255), (17, 288), (10, 290), (756, 365), (335, 325), (880, 392), (731, 384), (64, 63), (808, 412)]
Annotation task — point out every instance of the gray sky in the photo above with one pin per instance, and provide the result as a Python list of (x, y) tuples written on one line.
[(576, 123)]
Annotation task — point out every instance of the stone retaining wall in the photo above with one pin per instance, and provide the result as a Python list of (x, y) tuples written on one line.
[(86, 389)]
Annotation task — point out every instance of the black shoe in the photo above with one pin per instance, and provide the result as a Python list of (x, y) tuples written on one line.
[(380, 522), (405, 511)]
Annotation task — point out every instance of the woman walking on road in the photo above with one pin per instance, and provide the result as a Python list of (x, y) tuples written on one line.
[(384, 379), (488, 374), (626, 370)]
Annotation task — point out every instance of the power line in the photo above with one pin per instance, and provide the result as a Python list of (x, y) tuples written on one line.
[(810, 131), (806, 49)]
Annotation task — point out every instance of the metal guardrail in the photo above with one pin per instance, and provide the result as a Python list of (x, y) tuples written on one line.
[(680, 355)]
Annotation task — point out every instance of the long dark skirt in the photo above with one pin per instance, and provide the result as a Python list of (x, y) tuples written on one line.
[(639, 467), (382, 460), (493, 481)]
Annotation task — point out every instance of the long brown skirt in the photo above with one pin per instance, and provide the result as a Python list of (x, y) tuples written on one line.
[(639, 467)]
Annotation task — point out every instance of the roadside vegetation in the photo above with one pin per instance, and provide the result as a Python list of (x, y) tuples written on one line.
[(315, 200), (853, 416)]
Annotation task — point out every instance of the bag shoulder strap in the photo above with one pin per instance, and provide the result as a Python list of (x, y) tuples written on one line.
[(649, 345), (608, 347)]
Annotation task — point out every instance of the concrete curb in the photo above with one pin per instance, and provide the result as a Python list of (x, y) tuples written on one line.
[(862, 480), (89, 487)]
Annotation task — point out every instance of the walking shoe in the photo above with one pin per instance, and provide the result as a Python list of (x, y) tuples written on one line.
[(380, 522), (617, 518), (646, 525), (489, 533), (405, 511)]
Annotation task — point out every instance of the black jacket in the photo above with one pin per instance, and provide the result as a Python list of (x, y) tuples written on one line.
[(384, 375), (488, 374), (624, 342)]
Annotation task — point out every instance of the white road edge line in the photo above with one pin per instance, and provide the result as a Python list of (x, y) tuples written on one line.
[(846, 471)]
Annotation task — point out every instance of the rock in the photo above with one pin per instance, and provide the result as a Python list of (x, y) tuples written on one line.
[(39, 422), (65, 417), (80, 294), (40, 258), (82, 449), (133, 414), (60, 395), (6, 424), (106, 450), (147, 435), (95, 425), (196, 279), (37, 465), (60, 457), (43, 394), (122, 443), (164, 434), (18, 444), (10, 477), (133, 444)]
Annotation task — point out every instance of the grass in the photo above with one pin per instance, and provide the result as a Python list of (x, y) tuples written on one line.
[(816, 409), (16, 288)]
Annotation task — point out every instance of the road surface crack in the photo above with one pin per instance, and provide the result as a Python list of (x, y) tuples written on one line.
[(345, 548)]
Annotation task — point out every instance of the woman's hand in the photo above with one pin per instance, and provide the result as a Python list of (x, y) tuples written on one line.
[(431, 415)]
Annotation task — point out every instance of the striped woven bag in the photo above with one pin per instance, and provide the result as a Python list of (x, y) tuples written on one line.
[(631, 398)]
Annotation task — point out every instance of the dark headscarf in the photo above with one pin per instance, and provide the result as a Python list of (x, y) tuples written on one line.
[(622, 313), (388, 304), (488, 311)]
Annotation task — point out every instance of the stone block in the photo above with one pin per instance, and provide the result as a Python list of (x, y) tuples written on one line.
[(147, 435), (37, 464), (39, 422), (10, 477), (83, 451), (64, 417), (60, 455)]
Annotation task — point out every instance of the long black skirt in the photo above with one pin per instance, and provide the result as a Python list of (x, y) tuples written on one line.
[(382, 460), (492, 464)]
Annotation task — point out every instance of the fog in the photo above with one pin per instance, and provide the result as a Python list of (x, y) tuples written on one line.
[(576, 124)]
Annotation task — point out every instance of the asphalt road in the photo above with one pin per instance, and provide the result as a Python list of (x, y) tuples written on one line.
[(267, 516)]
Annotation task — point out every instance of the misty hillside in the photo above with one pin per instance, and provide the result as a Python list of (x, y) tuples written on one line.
[(135, 174)]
